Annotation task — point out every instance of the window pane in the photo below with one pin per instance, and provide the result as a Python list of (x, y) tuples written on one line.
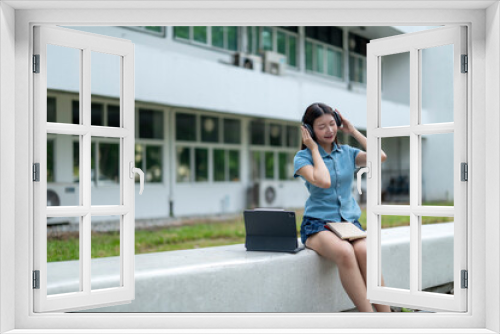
[(281, 42), (63, 161), (218, 37), (330, 62), (275, 131), (105, 252), (234, 165), (96, 114), (139, 151), (219, 165), (395, 85), (150, 124), (185, 127), (51, 109), (210, 129), (154, 163), (309, 56), (63, 76), (75, 112), (319, 59), (338, 64), (105, 81), (201, 164), (232, 131), (292, 50), (181, 32), (50, 161), (257, 133), (282, 165), (395, 178), (437, 84), (108, 162), (256, 166), (292, 136), (183, 164), (269, 160), (113, 116), (232, 38), (155, 29), (62, 247), (200, 34), (250, 46), (395, 255), (267, 38), (437, 169)]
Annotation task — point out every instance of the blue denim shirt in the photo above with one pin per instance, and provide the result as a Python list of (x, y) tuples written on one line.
[(336, 202)]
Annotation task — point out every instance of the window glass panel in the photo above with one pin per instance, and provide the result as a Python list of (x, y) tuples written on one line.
[(113, 115), (250, 46), (63, 76), (201, 164), (139, 151), (437, 84), (154, 163), (256, 166), (338, 64), (219, 165), (232, 131), (210, 129), (185, 126), (395, 180), (395, 85), (275, 131), (257, 133), (75, 112), (155, 29), (105, 252), (232, 38), (200, 34), (319, 59), (62, 165), (267, 38), (50, 161), (282, 165), (330, 62), (51, 109), (150, 124), (269, 161), (292, 51), (105, 81), (292, 136), (63, 254), (437, 169), (181, 32), (234, 165), (281, 36), (395, 255), (108, 162), (218, 37), (183, 164), (309, 56), (437, 266)]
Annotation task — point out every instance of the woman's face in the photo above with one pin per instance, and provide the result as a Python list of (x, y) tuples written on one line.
[(325, 129)]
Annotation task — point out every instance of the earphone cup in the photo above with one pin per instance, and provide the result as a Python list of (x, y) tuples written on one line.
[(338, 120), (309, 128)]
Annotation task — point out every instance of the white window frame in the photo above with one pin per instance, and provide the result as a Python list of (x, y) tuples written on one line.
[(482, 316)]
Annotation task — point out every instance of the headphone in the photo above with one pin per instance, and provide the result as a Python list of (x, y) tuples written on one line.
[(309, 128)]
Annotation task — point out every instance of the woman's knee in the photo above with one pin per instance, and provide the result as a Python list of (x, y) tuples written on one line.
[(345, 255), (359, 247)]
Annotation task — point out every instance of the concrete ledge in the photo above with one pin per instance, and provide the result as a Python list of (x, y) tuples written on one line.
[(230, 279)]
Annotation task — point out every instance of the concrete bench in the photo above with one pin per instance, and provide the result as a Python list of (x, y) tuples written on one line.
[(230, 279)]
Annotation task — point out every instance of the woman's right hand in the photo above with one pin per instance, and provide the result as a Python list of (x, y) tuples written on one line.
[(306, 138)]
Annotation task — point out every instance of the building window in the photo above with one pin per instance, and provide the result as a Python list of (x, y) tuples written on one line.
[(218, 37), (150, 123), (324, 51), (50, 160), (149, 158), (257, 130), (206, 140), (357, 58), (51, 109), (113, 117), (153, 30), (282, 40)]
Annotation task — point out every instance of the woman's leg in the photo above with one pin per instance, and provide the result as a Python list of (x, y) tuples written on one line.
[(341, 252), (359, 246)]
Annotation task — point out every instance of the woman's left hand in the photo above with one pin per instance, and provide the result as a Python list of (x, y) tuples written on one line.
[(346, 126)]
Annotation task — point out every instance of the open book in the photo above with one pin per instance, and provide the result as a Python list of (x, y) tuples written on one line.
[(346, 231)]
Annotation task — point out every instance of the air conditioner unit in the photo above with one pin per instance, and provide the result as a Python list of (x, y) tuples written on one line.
[(274, 63), (248, 61), (62, 194), (270, 194)]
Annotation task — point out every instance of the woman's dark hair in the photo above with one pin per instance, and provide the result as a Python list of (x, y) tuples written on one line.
[(314, 111)]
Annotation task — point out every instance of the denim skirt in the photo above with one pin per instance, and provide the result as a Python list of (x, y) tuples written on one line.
[(312, 225)]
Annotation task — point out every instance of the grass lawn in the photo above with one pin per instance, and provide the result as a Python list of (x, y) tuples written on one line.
[(65, 246)]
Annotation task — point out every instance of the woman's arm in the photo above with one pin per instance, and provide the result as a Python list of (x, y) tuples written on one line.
[(318, 173)]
